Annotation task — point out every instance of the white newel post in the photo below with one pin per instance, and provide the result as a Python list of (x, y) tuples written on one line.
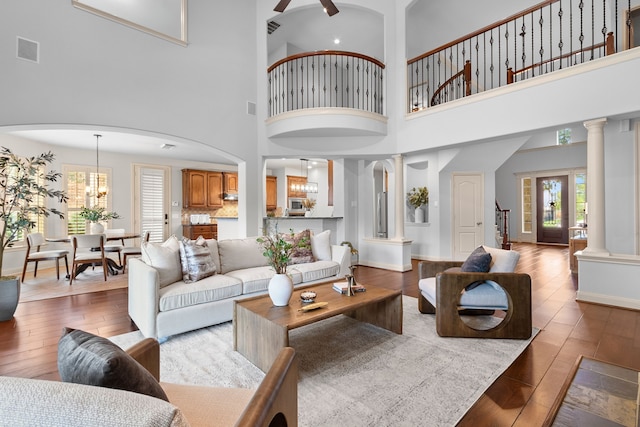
[(595, 188), (399, 199)]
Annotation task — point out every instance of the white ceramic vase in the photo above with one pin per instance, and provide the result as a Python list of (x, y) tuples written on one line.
[(96, 228), (419, 214), (280, 290)]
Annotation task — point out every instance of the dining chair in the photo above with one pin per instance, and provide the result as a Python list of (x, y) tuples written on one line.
[(116, 247), (133, 250), (88, 249), (35, 240)]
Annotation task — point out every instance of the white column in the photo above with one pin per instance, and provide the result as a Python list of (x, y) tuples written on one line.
[(399, 199), (595, 188)]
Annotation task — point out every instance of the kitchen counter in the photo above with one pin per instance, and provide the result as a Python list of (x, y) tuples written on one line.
[(316, 224)]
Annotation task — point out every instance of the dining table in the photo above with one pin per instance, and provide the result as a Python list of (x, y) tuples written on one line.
[(112, 266)]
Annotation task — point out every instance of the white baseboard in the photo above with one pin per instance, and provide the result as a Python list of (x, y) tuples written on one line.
[(608, 300)]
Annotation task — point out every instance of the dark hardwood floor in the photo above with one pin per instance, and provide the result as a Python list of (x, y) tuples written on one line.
[(522, 396)]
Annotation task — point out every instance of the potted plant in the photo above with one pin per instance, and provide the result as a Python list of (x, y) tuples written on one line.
[(24, 185), (417, 198), (278, 249), (96, 214)]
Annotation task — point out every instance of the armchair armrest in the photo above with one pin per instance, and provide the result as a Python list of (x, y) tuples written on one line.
[(277, 395), (147, 353), (432, 268), (517, 286)]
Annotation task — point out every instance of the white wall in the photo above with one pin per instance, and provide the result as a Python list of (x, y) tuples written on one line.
[(93, 71), (121, 170)]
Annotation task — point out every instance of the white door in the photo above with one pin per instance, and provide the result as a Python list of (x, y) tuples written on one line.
[(151, 203), (468, 214)]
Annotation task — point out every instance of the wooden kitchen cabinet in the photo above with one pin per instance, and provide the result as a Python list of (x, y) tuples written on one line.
[(230, 182), (208, 231), (296, 180), (272, 193), (201, 189), (214, 190)]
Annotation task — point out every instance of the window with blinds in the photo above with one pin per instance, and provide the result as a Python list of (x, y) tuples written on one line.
[(152, 211), (82, 187)]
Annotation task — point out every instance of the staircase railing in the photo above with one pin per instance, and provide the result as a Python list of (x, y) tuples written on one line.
[(326, 79), (502, 226), (549, 36)]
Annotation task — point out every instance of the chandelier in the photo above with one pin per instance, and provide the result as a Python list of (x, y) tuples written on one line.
[(307, 187), (101, 190)]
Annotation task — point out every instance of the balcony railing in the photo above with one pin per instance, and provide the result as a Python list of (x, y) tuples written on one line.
[(550, 36), (326, 79)]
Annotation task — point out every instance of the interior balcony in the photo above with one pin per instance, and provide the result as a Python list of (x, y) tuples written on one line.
[(326, 93)]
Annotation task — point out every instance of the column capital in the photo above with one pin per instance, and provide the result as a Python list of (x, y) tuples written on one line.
[(596, 123), (396, 156)]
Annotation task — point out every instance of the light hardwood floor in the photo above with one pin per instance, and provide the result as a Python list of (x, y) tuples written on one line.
[(522, 396)]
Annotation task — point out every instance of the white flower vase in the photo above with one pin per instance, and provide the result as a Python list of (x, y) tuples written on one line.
[(280, 290), (96, 228), (419, 215)]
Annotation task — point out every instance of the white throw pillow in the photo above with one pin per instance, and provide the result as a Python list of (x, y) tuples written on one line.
[(502, 260), (321, 246), (165, 258)]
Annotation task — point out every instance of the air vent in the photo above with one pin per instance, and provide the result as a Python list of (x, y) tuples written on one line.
[(27, 49), (272, 26)]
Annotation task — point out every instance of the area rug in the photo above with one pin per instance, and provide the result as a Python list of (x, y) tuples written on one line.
[(45, 285), (353, 373)]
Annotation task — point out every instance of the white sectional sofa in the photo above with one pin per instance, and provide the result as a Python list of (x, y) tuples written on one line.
[(162, 304)]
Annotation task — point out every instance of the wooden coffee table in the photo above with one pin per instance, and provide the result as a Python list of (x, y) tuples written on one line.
[(261, 330)]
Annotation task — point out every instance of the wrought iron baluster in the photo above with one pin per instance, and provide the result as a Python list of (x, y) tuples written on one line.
[(560, 42)]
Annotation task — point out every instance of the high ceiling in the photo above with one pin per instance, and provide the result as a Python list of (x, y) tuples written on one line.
[(309, 29), (301, 29)]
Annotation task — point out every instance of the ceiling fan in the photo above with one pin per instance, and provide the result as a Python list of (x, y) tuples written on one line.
[(328, 5)]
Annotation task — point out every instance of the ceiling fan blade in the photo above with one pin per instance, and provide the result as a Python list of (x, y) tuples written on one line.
[(331, 8), (282, 5)]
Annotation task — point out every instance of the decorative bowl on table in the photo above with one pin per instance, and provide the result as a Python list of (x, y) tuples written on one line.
[(308, 296)]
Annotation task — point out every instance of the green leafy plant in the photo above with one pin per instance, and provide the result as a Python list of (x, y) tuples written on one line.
[(418, 196), (279, 247), (23, 188), (96, 214)]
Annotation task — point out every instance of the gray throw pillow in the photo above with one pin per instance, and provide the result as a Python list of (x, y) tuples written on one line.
[(85, 358), (196, 259), (479, 261)]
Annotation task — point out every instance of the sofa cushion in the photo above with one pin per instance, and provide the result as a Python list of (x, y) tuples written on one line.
[(321, 246), (487, 295), (212, 244), (502, 260), (196, 260), (302, 243), (165, 258), (212, 288), (253, 279), (236, 254), (316, 270), (31, 402), (85, 358)]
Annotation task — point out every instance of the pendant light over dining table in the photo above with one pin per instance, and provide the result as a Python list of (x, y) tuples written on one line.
[(100, 190)]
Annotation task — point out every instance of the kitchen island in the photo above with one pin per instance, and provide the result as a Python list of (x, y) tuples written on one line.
[(227, 227), (299, 223)]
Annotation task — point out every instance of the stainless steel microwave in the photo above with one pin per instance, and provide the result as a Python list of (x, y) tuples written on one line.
[(295, 205)]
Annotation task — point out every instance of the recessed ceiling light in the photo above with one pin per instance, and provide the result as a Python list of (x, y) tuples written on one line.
[(336, 41)]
